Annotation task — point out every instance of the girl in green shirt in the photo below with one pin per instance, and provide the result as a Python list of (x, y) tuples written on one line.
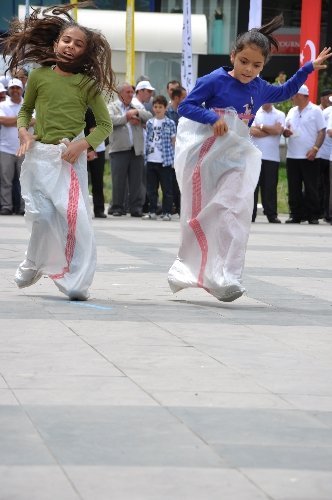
[(75, 69)]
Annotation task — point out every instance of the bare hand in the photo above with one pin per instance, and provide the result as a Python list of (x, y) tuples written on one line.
[(132, 113), (220, 127), (311, 154), (91, 155), (287, 132), (26, 141), (256, 132), (74, 150), (325, 54)]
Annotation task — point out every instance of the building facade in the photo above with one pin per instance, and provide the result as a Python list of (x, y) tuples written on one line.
[(216, 25)]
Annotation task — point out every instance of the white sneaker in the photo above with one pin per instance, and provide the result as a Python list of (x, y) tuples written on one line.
[(166, 217), (230, 293), (150, 217), (33, 277)]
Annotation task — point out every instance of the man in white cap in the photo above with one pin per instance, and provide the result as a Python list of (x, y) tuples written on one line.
[(142, 100), (9, 144), (305, 130), (143, 94)]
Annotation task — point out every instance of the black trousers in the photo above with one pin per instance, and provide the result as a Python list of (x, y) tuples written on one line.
[(324, 187), (176, 193), (127, 171), (156, 174), (303, 199), (267, 184), (96, 175)]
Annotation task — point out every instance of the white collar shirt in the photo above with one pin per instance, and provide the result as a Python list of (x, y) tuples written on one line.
[(269, 145), (305, 125), (9, 142), (326, 148)]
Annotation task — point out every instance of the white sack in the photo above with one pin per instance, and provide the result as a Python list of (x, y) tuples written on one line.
[(217, 177), (58, 215)]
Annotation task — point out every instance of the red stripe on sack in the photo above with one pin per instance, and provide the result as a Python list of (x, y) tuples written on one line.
[(203, 244), (197, 206), (72, 209), (196, 182)]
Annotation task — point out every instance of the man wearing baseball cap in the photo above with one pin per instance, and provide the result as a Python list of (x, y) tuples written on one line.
[(9, 144), (142, 100), (144, 85), (305, 130), (143, 94)]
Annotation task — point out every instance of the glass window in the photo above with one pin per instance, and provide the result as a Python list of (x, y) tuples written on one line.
[(221, 18), (162, 68)]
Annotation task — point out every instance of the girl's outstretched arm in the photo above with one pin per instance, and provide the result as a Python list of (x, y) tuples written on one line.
[(322, 57)]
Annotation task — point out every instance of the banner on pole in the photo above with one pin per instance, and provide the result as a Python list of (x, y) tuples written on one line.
[(74, 9), (187, 57), (130, 42), (255, 14), (27, 8), (310, 40)]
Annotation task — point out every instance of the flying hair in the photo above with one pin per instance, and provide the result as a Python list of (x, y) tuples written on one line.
[(261, 37), (32, 41)]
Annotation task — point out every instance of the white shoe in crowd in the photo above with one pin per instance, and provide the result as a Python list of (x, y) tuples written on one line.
[(150, 217), (166, 217)]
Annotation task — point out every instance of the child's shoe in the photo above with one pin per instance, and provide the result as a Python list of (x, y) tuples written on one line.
[(26, 275), (150, 216)]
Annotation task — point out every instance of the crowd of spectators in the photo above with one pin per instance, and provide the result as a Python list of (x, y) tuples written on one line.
[(139, 164)]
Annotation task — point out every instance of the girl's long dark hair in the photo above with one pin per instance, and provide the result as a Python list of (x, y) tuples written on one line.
[(262, 37), (32, 41)]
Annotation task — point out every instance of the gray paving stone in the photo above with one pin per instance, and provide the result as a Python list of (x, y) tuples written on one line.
[(138, 436), (232, 397), (20, 443), (156, 483), (35, 483), (292, 484), (139, 394), (86, 391), (270, 427), (7, 397), (310, 458)]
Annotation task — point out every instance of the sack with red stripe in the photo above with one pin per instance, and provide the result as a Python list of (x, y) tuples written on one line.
[(217, 177)]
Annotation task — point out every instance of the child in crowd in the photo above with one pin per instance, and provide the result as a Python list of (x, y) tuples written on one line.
[(75, 70), (177, 95), (159, 152), (218, 167)]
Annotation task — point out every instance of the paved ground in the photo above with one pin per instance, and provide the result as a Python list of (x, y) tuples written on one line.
[(142, 395)]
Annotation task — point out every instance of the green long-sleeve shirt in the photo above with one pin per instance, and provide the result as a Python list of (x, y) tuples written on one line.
[(60, 104)]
